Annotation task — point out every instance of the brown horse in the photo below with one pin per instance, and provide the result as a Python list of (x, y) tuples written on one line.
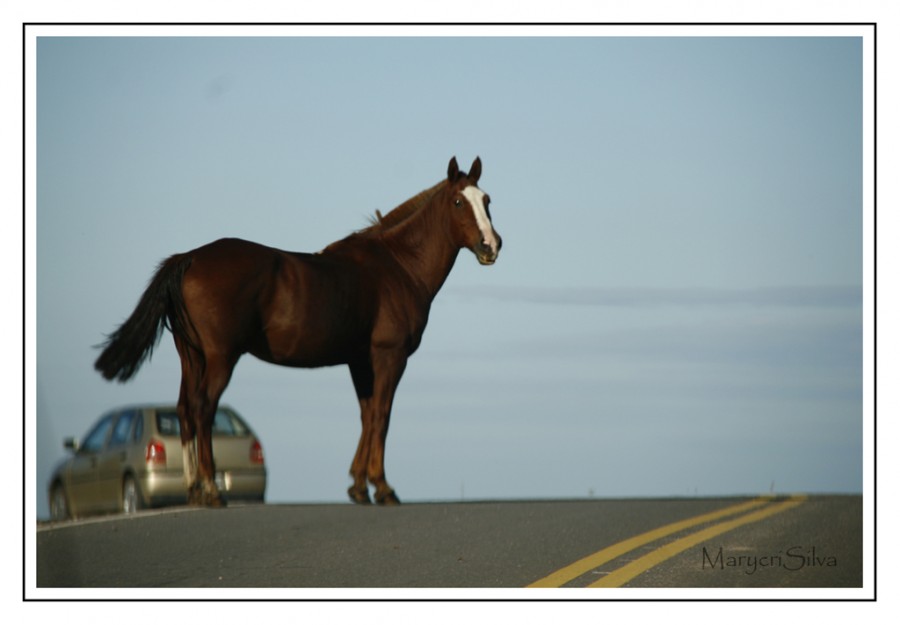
[(363, 301)]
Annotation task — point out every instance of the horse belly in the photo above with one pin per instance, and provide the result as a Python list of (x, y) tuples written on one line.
[(306, 346), (312, 321)]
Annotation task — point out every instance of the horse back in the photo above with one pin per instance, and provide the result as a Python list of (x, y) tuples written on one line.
[(284, 307)]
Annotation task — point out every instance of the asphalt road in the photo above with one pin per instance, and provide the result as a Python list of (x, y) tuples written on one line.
[(650, 543)]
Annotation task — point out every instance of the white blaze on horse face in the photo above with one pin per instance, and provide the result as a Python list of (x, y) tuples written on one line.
[(476, 200)]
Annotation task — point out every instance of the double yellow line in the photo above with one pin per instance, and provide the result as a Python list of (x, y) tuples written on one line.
[(756, 510)]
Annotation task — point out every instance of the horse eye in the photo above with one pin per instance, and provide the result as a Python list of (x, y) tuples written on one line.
[(458, 203)]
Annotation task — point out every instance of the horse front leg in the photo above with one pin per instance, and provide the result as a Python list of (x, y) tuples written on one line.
[(362, 383), (375, 382), (359, 490), (388, 367), (384, 494), (368, 463)]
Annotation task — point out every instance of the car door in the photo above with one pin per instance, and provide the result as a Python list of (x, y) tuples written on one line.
[(111, 462), (84, 470)]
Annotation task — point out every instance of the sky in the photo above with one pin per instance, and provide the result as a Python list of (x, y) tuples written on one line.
[(677, 309)]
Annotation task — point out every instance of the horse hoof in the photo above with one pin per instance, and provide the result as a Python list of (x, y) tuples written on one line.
[(215, 501), (198, 496), (387, 499), (195, 496), (359, 495)]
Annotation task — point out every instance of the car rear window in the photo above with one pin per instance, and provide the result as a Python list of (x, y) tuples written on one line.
[(226, 424), (167, 423)]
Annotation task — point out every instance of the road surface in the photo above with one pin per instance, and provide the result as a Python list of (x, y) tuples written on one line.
[(790, 541)]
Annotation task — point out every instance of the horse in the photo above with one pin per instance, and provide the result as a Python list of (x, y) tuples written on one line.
[(362, 301)]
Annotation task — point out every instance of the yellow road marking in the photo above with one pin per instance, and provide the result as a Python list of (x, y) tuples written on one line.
[(631, 570), (576, 569)]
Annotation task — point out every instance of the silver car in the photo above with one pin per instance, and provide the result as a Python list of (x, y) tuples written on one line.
[(132, 459)]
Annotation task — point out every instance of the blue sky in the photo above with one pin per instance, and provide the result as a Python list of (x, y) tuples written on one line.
[(677, 308)]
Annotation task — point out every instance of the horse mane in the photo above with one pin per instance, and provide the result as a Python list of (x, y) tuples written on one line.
[(382, 225), (379, 224)]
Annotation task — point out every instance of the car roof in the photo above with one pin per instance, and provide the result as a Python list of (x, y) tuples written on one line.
[(160, 406)]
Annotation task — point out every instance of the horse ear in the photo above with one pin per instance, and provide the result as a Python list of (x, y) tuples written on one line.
[(475, 172), (453, 170)]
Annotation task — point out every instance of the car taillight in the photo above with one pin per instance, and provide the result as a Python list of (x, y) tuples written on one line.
[(256, 453), (156, 452)]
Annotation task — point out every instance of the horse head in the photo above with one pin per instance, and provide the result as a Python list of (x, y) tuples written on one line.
[(470, 214)]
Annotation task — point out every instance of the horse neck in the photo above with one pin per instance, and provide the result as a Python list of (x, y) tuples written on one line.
[(421, 244)]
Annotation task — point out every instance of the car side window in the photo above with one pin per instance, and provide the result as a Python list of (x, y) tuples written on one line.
[(96, 438), (228, 425), (222, 424), (122, 428)]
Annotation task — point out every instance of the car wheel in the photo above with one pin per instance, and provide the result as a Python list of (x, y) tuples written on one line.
[(59, 506), (131, 496)]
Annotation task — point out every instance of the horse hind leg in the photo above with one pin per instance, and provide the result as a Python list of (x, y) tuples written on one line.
[(209, 492), (216, 377), (189, 446), (191, 475), (199, 403)]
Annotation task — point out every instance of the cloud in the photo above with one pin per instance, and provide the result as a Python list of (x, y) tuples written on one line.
[(794, 296), (778, 343), (775, 328)]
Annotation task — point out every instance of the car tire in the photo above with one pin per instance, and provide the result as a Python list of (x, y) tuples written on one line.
[(131, 496), (59, 504)]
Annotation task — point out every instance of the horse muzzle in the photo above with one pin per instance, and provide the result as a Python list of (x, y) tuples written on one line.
[(487, 253)]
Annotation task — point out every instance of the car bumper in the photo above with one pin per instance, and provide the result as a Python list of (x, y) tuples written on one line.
[(168, 487), (242, 484)]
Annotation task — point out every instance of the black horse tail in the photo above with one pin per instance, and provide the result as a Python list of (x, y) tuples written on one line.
[(161, 306)]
